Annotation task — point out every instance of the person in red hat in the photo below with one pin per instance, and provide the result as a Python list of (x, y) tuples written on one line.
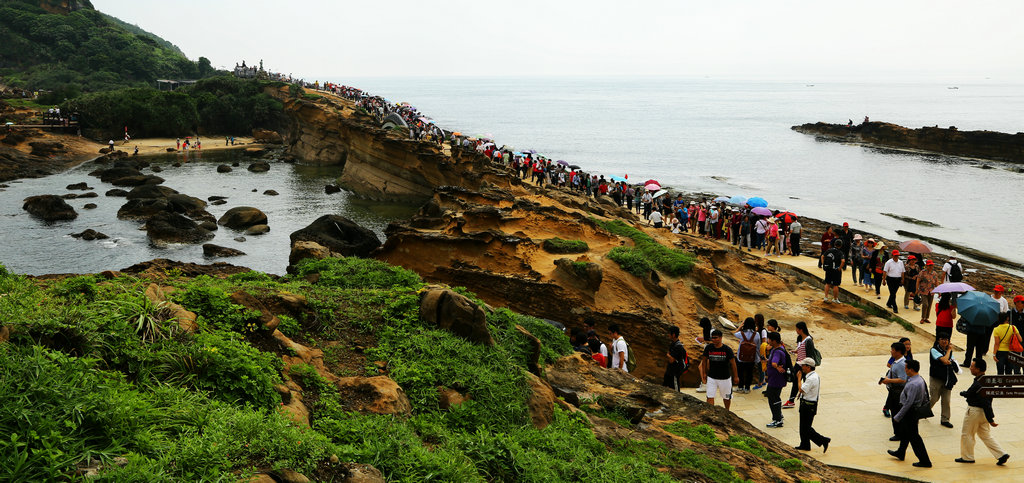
[(997, 293), (910, 282), (894, 270), (1017, 313)]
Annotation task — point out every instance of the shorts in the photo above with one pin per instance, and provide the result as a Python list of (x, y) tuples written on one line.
[(714, 385), (833, 277)]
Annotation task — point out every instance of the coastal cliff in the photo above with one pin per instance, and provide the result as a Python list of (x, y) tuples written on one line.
[(379, 164), (991, 145)]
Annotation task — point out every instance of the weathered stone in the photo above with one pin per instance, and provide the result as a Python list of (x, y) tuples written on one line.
[(259, 167), (361, 473), (290, 476), (378, 395), (218, 202), (223, 168), (455, 313), (89, 206), (448, 397), (587, 274), (90, 194), (541, 402), (339, 235), (211, 250), (150, 191), (306, 249), (118, 192), (257, 230), (242, 217), (266, 137), (267, 319), (49, 208), (78, 186), (143, 208), (186, 319), (90, 235), (331, 189), (140, 180), (271, 193), (166, 227)]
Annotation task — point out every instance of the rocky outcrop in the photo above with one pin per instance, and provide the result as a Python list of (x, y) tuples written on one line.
[(379, 164), (158, 295), (337, 234), (378, 395), (586, 274), (49, 208), (455, 313), (213, 251), (973, 144), (90, 235), (167, 227), (266, 137), (266, 317), (242, 217)]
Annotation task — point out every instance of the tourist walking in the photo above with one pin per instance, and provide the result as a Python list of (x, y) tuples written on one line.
[(953, 269), (979, 420), (894, 270), (1017, 313), (875, 264), (620, 350), (677, 360), (895, 379), (794, 237), (1005, 339), (804, 349), (910, 282), (913, 398), (826, 241), (719, 363), (833, 262), (857, 260), (747, 356), (776, 375), (942, 371), (809, 392), (927, 280)]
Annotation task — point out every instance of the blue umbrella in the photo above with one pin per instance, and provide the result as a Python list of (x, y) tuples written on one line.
[(737, 200), (757, 201), (617, 178), (978, 308), (722, 199)]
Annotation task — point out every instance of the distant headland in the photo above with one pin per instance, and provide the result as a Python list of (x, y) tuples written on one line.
[(989, 145)]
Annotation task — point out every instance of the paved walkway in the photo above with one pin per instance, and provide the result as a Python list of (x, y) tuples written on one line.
[(850, 411)]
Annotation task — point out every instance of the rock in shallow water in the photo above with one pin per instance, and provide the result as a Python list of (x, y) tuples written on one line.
[(211, 250), (242, 217), (49, 208)]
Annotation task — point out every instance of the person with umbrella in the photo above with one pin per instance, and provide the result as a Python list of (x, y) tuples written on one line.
[(980, 312), (927, 280)]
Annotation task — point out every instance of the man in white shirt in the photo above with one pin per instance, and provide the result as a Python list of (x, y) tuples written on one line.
[(953, 275), (655, 218), (809, 408), (997, 293), (620, 351), (894, 270)]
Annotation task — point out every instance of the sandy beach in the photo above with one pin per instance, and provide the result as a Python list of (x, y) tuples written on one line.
[(149, 146)]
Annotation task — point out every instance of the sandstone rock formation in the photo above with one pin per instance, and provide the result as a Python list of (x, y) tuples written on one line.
[(455, 313), (266, 137), (211, 250), (339, 235), (378, 395), (168, 227), (242, 217)]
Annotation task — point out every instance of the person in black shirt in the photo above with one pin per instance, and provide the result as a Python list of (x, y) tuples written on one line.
[(834, 262), (719, 364), (978, 419), (676, 360)]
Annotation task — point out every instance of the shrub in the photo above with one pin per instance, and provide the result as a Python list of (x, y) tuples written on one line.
[(232, 370), (352, 272), (631, 260), (558, 245), (668, 260), (214, 305)]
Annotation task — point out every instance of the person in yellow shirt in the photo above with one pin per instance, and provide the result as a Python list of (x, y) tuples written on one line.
[(1001, 337)]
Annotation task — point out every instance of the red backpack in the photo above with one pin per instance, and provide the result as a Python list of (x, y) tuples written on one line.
[(748, 350)]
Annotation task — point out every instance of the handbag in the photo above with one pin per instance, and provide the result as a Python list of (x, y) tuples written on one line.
[(924, 411), (1015, 342), (961, 326), (950, 376)]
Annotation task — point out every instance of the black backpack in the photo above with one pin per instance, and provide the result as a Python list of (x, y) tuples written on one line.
[(956, 273), (787, 364)]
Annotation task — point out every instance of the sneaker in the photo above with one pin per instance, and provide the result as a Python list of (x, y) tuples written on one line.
[(702, 388), (906, 307), (961, 460), (947, 424), (827, 300), (788, 404), (774, 424), (759, 386), (885, 412), (1002, 459)]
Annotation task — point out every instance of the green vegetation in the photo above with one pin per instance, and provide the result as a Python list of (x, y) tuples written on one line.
[(646, 252), (884, 314), (705, 435), (83, 51), (225, 105), (558, 245)]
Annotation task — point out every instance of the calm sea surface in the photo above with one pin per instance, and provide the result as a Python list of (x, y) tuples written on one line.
[(723, 137), (734, 138)]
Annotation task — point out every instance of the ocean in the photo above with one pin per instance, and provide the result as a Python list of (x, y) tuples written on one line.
[(733, 137)]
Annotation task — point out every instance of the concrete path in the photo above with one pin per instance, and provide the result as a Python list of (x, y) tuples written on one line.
[(850, 410)]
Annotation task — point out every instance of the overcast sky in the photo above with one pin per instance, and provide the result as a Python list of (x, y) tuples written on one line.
[(891, 40)]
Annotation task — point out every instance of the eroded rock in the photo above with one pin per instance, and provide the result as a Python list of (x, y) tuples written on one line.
[(455, 313), (49, 208), (242, 217)]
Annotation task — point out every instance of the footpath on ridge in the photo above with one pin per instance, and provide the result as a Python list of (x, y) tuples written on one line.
[(850, 409)]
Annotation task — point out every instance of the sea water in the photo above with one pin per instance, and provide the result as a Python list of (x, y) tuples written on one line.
[(733, 137), (29, 245)]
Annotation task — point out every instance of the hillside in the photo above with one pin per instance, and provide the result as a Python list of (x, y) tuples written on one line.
[(47, 45)]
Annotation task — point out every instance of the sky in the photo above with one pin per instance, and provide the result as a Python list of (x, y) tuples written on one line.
[(891, 40)]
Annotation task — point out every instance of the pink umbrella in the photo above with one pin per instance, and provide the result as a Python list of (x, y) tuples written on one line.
[(653, 187), (952, 287), (761, 211), (651, 181)]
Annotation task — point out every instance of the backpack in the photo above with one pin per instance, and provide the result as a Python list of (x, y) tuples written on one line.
[(686, 358), (812, 351), (630, 358), (833, 259), (787, 365), (956, 273), (748, 350)]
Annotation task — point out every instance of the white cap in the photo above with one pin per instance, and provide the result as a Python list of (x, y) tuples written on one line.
[(952, 254), (807, 362)]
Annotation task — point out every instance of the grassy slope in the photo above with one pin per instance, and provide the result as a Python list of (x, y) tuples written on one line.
[(94, 371)]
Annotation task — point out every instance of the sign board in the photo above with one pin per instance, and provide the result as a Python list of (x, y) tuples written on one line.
[(1002, 391), (1015, 358), (1001, 380)]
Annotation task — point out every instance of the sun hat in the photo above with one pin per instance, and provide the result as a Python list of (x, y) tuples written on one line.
[(998, 288), (807, 362), (929, 262), (952, 254), (1019, 298), (895, 253), (911, 258), (858, 237), (846, 224)]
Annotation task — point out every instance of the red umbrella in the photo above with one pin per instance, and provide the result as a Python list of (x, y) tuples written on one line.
[(651, 181), (915, 246), (787, 217)]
